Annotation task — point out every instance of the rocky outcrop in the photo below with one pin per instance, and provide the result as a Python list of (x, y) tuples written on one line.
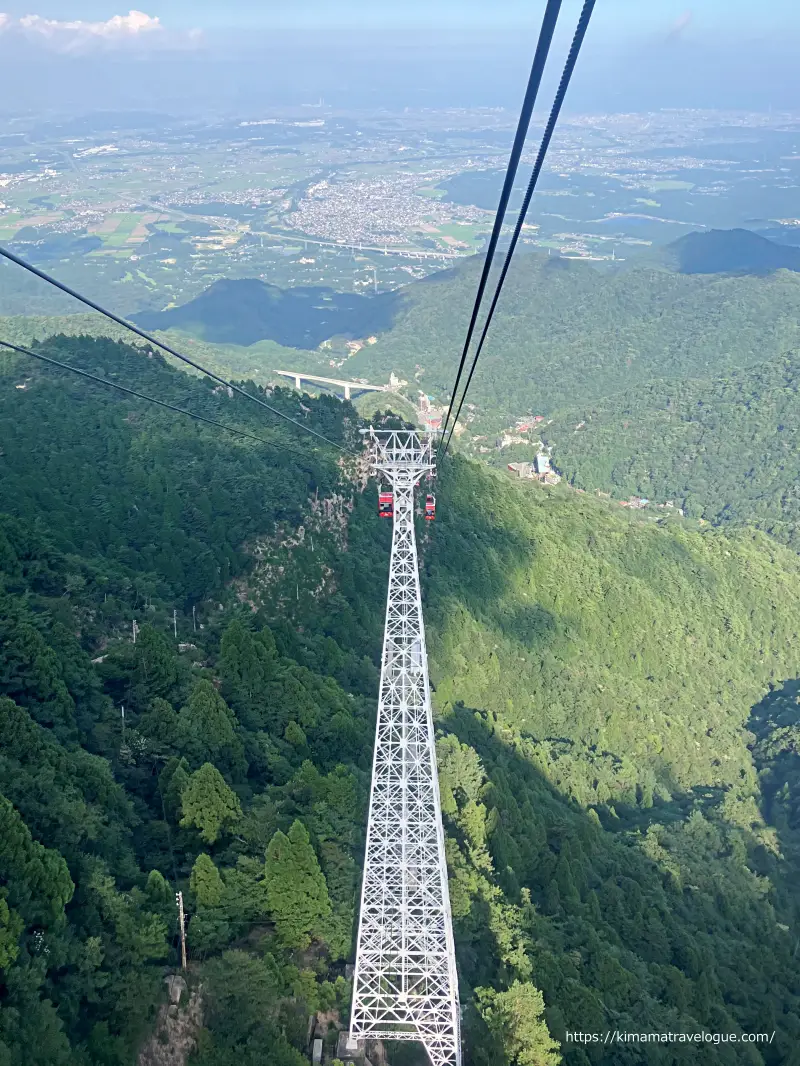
[(175, 1033)]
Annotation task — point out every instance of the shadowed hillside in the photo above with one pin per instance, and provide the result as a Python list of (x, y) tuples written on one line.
[(244, 312)]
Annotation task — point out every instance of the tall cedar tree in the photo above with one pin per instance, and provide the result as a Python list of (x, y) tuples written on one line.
[(208, 804), (296, 887)]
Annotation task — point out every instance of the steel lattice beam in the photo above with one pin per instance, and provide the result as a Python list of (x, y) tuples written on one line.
[(405, 985)]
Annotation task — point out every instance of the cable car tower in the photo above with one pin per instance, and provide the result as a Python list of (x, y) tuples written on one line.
[(405, 985)]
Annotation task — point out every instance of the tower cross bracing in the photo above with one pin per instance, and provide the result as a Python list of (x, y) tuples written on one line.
[(405, 985)]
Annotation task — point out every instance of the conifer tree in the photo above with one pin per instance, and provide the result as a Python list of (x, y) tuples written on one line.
[(160, 724), (157, 666), (295, 735), (205, 882), (516, 1018), (207, 729), (157, 888), (246, 663), (172, 780), (208, 804), (296, 888)]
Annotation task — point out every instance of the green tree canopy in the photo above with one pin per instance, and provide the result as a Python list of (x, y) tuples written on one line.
[(11, 926), (247, 662), (296, 888), (516, 1017), (208, 804), (39, 883), (205, 882), (207, 730)]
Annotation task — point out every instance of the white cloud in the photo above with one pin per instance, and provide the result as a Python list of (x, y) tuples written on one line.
[(77, 34), (130, 25)]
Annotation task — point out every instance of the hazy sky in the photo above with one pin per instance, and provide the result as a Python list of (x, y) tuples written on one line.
[(195, 54), (630, 16)]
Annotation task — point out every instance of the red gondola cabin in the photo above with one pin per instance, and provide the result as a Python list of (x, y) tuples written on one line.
[(430, 508), (385, 504)]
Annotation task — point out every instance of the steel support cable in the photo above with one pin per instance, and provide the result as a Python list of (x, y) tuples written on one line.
[(160, 344), (534, 81), (133, 392), (569, 67)]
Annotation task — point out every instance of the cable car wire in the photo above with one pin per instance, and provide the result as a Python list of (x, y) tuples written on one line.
[(572, 58), (160, 344), (569, 67), (133, 392), (534, 81)]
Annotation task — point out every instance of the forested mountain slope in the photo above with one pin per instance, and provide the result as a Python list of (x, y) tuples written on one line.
[(724, 449), (595, 674), (568, 333), (565, 331), (255, 362)]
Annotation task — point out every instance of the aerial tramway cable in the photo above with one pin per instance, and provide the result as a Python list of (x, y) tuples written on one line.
[(160, 344), (534, 81), (569, 67), (133, 392)]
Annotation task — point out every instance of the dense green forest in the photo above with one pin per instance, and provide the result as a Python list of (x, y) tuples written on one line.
[(567, 333), (724, 449), (256, 362), (622, 825)]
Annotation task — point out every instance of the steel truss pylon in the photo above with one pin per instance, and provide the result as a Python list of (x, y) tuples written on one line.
[(405, 985)]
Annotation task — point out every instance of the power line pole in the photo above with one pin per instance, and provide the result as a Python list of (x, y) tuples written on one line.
[(175, 622), (194, 620), (405, 985), (135, 630), (182, 923)]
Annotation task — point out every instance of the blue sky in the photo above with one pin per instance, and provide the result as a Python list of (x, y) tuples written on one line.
[(624, 16), (639, 54)]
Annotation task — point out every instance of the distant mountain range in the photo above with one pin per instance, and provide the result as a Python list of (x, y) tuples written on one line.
[(247, 311)]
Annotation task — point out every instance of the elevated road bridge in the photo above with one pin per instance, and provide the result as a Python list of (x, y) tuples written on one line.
[(349, 387)]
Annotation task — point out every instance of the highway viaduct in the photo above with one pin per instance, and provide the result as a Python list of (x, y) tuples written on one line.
[(349, 387)]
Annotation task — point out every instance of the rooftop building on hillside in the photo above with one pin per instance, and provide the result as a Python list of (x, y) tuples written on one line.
[(522, 469), (529, 471)]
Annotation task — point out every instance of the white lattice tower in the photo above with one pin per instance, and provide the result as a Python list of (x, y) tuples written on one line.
[(405, 985)]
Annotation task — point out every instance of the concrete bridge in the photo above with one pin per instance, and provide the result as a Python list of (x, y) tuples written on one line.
[(349, 386)]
